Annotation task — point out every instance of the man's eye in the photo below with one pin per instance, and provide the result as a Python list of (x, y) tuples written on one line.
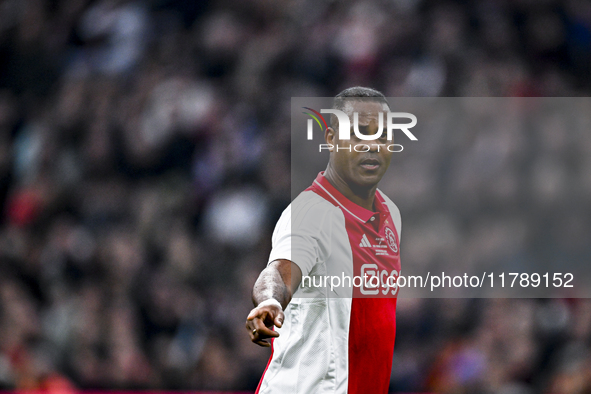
[(364, 130)]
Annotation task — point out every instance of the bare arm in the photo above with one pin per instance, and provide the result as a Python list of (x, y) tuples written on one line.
[(278, 281)]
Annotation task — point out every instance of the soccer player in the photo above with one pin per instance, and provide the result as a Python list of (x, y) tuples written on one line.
[(333, 340)]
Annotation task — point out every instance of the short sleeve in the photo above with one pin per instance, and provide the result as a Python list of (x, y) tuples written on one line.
[(282, 238), (300, 236)]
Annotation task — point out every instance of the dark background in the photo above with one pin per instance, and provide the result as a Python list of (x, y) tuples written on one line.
[(145, 157)]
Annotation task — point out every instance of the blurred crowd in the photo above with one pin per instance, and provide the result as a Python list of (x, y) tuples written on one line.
[(145, 157)]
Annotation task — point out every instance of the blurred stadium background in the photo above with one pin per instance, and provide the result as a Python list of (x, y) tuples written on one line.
[(144, 153)]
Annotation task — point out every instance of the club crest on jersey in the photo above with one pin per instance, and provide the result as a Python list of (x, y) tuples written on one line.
[(391, 239)]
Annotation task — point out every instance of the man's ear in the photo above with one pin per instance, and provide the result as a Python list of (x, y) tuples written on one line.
[(330, 137)]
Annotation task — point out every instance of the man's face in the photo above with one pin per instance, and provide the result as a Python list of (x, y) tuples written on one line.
[(361, 169)]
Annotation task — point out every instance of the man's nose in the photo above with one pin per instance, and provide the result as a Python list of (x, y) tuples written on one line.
[(374, 146)]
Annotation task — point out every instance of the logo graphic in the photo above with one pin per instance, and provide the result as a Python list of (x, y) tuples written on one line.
[(316, 117), (345, 124), (391, 239), (364, 242), (371, 271), (375, 280), (345, 128)]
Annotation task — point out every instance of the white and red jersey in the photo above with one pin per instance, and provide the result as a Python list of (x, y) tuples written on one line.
[(340, 340)]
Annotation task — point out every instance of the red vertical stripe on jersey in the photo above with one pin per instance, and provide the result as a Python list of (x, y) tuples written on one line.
[(371, 344), (372, 328), (266, 368)]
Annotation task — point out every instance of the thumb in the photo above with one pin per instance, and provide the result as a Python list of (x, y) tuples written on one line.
[(256, 312)]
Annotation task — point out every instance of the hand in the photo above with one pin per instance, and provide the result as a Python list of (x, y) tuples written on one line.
[(260, 321)]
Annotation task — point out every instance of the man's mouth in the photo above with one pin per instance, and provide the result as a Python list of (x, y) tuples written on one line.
[(370, 164)]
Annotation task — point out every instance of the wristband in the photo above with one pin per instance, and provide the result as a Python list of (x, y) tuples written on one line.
[(270, 301)]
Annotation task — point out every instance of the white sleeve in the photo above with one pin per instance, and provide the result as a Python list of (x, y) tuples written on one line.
[(305, 240), (281, 239)]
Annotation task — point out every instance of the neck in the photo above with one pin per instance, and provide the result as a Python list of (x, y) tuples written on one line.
[(362, 196)]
